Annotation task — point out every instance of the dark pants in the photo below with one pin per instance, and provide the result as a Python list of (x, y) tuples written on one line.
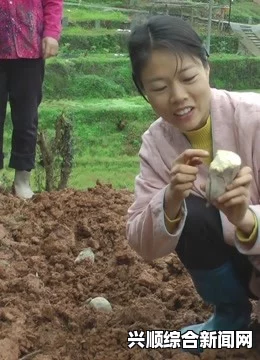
[(202, 245), (21, 83)]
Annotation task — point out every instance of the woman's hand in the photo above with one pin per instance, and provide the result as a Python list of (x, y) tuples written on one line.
[(50, 47), (235, 202), (182, 176)]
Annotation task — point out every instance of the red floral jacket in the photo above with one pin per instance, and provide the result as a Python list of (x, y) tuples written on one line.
[(23, 25)]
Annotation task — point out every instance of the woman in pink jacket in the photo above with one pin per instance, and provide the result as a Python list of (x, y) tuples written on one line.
[(219, 243), (29, 34)]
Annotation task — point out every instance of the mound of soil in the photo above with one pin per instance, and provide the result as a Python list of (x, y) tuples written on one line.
[(44, 293)]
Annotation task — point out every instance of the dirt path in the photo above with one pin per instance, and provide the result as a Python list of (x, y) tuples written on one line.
[(43, 294)]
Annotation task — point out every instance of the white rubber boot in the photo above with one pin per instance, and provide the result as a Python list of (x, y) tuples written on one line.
[(22, 187)]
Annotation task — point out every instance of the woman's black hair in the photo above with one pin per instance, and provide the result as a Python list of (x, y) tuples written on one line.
[(162, 31)]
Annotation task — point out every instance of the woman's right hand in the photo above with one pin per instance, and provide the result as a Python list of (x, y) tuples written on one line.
[(183, 174)]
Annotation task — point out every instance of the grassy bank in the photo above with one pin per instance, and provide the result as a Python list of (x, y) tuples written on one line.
[(109, 76), (109, 40), (107, 138), (241, 10)]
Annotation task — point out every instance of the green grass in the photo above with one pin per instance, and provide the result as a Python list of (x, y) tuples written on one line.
[(101, 40), (82, 15), (80, 31), (102, 151), (119, 171), (112, 3), (108, 76), (240, 8), (241, 11), (110, 40)]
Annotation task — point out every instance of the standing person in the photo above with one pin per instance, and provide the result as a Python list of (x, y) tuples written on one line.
[(29, 34), (216, 244)]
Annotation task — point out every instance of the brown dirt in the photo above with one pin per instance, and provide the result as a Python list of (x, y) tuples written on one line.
[(43, 294)]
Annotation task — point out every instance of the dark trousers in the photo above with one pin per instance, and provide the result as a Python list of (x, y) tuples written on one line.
[(202, 245), (21, 84)]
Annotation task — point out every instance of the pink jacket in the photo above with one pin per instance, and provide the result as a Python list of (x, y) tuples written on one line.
[(23, 25), (236, 127)]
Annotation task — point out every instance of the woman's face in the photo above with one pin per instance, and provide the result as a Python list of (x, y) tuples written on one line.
[(178, 89)]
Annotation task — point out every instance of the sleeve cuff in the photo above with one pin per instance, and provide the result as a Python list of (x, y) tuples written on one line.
[(245, 239), (243, 247), (181, 220), (53, 34), (157, 209)]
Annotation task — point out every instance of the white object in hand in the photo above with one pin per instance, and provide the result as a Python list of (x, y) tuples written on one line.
[(222, 171)]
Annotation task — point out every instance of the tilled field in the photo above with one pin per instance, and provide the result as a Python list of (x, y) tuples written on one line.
[(44, 308)]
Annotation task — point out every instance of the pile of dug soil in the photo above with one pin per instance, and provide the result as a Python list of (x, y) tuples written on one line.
[(44, 309)]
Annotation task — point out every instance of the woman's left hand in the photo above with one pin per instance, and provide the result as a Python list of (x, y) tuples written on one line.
[(50, 47), (235, 202)]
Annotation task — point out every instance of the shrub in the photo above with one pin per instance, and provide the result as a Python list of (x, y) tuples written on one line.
[(111, 41), (110, 77), (235, 72)]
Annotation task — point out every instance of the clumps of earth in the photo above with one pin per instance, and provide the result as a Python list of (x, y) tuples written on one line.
[(72, 289)]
